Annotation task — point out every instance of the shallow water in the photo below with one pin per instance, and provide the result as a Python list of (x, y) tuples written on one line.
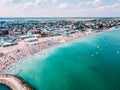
[(90, 63)]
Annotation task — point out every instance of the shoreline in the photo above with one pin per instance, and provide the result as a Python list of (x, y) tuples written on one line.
[(27, 49)]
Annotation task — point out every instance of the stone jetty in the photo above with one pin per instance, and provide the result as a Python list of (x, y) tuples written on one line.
[(14, 82)]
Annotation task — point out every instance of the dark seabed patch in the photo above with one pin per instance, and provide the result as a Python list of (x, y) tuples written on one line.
[(4, 87)]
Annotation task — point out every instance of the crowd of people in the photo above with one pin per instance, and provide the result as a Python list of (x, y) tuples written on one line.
[(24, 51)]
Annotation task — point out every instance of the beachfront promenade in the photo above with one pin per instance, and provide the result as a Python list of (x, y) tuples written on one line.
[(14, 82)]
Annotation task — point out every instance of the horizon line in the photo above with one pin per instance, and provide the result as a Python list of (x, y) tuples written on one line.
[(65, 17)]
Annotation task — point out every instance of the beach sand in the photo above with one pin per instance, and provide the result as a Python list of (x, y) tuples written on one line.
[(25, 49)]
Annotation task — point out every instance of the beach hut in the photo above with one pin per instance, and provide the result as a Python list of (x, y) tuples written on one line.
[(23, 36), (6, 44), (30, 40)]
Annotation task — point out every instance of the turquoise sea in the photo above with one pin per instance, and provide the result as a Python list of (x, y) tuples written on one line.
[(89, 63), (4, 87)]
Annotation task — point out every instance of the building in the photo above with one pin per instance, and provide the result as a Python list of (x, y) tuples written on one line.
[(33, 31), (4, 31)]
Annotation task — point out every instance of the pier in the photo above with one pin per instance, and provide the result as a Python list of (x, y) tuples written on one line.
[(15, 83)]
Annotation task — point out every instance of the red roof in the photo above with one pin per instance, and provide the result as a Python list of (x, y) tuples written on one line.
[(33, 31)]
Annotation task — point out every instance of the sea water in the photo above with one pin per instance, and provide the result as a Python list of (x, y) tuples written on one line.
[(4, 87), (89, 63)]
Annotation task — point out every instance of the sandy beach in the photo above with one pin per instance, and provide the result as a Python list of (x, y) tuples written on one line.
[(25, 49)]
